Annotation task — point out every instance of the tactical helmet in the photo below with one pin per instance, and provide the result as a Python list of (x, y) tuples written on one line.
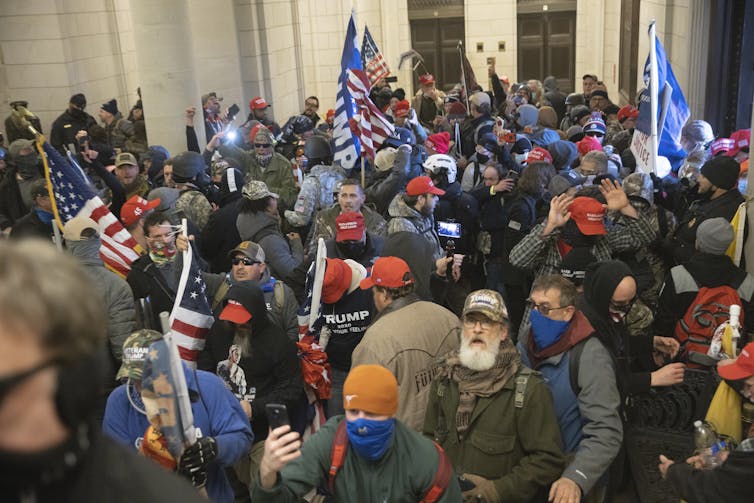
[(440, 163), (317, 147), (574, 99), (187, 165)]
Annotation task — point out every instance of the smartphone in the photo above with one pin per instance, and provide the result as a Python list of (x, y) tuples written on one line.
[(233, 111), (449, 229), (277, 415)]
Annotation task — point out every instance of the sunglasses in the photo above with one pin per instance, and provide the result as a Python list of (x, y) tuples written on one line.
[(262, 145), (245, 261)]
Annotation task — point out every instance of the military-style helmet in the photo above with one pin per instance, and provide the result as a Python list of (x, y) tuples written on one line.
[(440, 163), (317, 147), (574, 99)]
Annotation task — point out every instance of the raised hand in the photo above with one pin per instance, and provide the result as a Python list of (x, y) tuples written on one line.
[(559, 213)]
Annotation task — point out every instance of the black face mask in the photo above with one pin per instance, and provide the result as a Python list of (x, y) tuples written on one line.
[(482, 159), (9, 383), (28, 165), (352, 249)]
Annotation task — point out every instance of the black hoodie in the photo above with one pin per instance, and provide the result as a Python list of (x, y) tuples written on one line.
[(630, 353), (271, 370)]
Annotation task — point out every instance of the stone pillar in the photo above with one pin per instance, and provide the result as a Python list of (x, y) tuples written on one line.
[(164, 61)]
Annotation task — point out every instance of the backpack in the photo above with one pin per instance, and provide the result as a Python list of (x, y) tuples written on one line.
[(338, 456), (709, 309)]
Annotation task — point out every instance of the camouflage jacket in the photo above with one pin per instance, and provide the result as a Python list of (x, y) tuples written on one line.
[(324, 225), (317, 192)]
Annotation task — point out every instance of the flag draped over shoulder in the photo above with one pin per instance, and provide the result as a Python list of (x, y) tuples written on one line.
[(347, 147), (671, 104), (73, 194), (374, 62), (191, 317), (372, 126)]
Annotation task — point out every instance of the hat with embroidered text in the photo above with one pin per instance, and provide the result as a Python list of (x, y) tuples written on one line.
[(439, 142), (538, 154), (125, 158), (487, 302), (371, 388), (627, 112), (240, 299), (135, 349), (135, 208), (402, 108), (388, 272), (589, 214), (742, 368), (257, 103), (349, 226), (741, 141), (250, 249), (426, 79), (422, 185)]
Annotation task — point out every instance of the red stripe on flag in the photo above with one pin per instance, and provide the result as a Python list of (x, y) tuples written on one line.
[(189, 330), (190, 355)]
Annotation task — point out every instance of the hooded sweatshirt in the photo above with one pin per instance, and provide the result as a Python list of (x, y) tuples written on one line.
[(406, 218), (264, 229)]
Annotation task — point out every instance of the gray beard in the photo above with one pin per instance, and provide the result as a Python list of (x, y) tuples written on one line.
[(477, 359)]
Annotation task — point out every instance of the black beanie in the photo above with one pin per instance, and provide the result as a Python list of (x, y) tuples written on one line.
[(110, 106), (722, 172)]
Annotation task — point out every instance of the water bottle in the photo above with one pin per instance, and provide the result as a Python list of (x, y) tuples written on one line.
[(735, 314), (706, 443)]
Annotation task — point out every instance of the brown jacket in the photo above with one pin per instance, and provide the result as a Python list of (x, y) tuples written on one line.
[(406, 338)]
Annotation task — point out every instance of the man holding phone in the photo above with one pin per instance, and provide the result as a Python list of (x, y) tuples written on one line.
[(367, 452)]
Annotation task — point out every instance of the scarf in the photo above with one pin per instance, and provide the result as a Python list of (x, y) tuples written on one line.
[(473, 384)]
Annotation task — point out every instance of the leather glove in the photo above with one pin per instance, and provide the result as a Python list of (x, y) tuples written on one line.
[(484, 492), (196, 458)]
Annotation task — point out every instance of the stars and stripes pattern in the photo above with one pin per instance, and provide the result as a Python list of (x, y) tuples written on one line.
[(191, 317), (347, 148), (372, 59), (372, 126), (73, 194)]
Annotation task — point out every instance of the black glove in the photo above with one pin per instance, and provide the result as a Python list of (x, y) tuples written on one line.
[(196, 458)]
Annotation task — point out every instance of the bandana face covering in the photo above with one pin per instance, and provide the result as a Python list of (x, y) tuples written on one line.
[(369, 437), (160, 253), (546, 330)]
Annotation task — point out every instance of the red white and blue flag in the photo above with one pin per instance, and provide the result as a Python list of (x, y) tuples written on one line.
[(191, 317), (73, 194), (372, 59), (372, 126)]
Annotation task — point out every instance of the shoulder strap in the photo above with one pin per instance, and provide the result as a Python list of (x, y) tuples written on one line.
[(338, 455), (683, 280), (279, 294), (522, 379), (574, 359), (746, 289), (220, 294), (441, 480)]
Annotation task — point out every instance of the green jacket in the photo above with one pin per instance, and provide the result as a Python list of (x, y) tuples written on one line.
[(519, 448), (403, 475), (278, 175)]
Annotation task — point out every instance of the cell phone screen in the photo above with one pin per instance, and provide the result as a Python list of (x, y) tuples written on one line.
[(449, 229)]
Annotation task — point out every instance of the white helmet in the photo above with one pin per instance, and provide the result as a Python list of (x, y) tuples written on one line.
[(436, 163)]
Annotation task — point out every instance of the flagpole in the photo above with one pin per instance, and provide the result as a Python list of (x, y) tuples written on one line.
[(363, 175), (653, 93), (463, 76)]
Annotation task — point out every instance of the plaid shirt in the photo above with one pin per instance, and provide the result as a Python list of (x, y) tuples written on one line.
[(540, 253)]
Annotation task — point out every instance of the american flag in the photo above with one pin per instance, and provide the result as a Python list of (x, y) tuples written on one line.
[(191, 317), (74, 194), (309, 321), (371, 57), (373, 126), (347, 147)]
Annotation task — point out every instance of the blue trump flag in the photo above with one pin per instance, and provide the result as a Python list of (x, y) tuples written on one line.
[(347, 146), (672, 110)]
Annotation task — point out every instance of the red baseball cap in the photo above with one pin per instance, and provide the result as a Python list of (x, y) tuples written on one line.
[(627, 112), (426, 79), (389, 272), (589, 215), (349, 226), (741, 139), (538, 154), (742, 368), (235, 312), (587, 144), (722, 145), (422, 185), (401, 108), (257, 103), (133, 209)]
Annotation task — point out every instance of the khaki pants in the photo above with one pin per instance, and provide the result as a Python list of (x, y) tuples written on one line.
[(247, 468)]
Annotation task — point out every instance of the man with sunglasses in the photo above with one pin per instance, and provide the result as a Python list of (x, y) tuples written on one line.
[(493, 416), (581, 375), (248, 264)]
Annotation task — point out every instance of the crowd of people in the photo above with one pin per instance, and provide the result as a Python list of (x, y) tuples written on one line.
[(495, 292)]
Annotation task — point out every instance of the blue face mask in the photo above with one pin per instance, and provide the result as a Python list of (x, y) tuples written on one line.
[(546, 331), (369, 437), (45, 216)]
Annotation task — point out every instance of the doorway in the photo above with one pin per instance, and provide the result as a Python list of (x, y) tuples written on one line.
[(437, 41), (547, 46)]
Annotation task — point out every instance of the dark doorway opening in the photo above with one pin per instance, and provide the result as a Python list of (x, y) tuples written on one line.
[(437, 41), (547, 46)]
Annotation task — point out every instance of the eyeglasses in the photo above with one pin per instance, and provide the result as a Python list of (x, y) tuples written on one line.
[(622, 307), (262, 145), (245, 260), (485, 322), (542, 308)]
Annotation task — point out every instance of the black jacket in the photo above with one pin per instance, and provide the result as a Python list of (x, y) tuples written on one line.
[(30, 226), (108, 472), (272, 370), (12, 205), (65, 127), (732, 481), (220, 236), (460, 207), (372, 251), (146, 280)]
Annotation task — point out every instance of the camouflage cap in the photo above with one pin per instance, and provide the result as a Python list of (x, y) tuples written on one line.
[(488, 302), (256, 190), (135, 350)]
